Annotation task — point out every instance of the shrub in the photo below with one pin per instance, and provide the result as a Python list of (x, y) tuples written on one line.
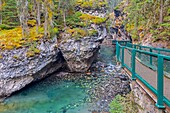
[(125, 104), (5, 27), (116, 105)]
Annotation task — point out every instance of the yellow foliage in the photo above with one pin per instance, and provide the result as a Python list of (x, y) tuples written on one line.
[(87, 4), (91, 3), (141, 35), (141, 28), (86, 17), (130, 27), (98, 20), (31, 23), (92, 19), (77, 32), (118, 22), (32, 51), (92, 32), (30, 54), (15, 56), (37, 51), (1, 56), (10, 39)]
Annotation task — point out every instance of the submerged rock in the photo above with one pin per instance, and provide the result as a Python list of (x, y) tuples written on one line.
[(17, 72)]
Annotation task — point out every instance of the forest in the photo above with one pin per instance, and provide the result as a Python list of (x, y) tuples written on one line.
[(26, 21)]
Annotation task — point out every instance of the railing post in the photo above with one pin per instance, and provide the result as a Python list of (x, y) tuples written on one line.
[(150, 57), (160, 83), (129, 45), (139, 52), (159, 52), (122, 60), (133, 63), (135, 46), (117, 51)]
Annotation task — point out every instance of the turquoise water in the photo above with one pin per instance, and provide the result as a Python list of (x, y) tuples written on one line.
[(107, 54), (53, 95), (47, 97)]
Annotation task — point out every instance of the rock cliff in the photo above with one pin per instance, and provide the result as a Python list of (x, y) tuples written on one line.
[(17, 70)]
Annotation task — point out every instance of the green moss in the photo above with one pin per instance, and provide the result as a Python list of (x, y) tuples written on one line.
[(15, 56), (167, 18), (83, 24), (77, 32), (32, 51), (92, 19), (92, 4), (87, 4), (125, 104), (98, 20), (30, 54), (5, 27), (92, 32), (73, 20), (165, 25)]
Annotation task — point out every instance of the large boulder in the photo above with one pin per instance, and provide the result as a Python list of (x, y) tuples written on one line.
[(79, 54), (17, 69)]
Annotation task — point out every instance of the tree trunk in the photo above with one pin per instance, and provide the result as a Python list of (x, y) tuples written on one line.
[(161, 11), (64, 17), (0, 11), (59, 3), (46, 22), (22, 6), (38, 13)]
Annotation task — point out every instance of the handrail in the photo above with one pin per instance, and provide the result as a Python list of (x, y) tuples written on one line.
[(157, 49), (161, 99), (145, 52)]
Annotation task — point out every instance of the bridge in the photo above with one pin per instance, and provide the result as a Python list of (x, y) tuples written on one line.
[(148, 66)]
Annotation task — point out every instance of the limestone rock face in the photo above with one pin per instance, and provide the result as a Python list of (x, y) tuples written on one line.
[(79, 54), (101, 12), (17, 70)]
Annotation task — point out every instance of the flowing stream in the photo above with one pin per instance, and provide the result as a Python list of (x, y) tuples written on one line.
[(53, 95)]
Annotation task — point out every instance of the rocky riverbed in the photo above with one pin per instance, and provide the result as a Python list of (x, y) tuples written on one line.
[(88, 92)]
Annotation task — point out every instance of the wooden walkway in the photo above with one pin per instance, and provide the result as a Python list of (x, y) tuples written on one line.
[(148, 74)]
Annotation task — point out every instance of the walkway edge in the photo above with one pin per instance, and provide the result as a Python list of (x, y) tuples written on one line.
[(146, 90)]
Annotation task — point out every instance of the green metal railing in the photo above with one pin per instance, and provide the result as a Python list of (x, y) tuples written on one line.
[(133, 50), (147, 47), (152, 63)]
